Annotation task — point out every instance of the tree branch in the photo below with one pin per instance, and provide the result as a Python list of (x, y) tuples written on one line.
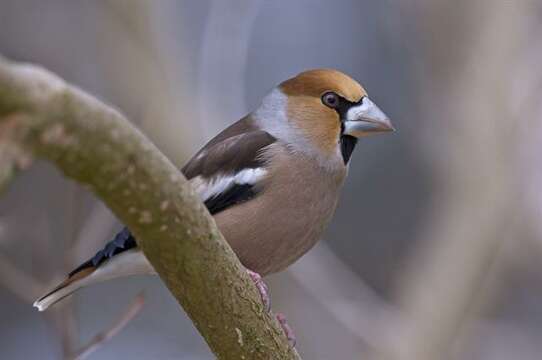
[(96, 146)]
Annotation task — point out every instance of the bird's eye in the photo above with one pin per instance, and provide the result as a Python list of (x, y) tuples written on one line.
[(330, 99)]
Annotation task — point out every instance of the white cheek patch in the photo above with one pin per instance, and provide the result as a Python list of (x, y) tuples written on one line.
[(271, 116), (207, 188)]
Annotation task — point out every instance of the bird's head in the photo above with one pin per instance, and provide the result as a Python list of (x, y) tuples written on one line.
[(322, 110)]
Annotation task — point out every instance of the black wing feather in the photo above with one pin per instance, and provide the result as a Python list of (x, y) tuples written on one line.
[(123, 241), (234, 195)]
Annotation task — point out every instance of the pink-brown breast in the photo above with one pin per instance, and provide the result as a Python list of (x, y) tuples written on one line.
[(288, 217)]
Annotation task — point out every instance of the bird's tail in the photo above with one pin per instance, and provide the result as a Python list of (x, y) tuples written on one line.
[(125, 263), (67, 287)]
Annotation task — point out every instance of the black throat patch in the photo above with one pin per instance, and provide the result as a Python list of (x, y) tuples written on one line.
[(348, 143)]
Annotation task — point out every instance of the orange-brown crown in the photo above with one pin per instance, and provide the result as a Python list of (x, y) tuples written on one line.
[(306, 111), (318, 81)]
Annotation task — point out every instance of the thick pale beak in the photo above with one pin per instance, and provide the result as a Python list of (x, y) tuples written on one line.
[(366, 119)]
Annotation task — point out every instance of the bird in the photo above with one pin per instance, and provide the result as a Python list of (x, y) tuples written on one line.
[(271, 180)]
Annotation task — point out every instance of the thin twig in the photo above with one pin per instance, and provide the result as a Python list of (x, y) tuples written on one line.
[(101, 338)]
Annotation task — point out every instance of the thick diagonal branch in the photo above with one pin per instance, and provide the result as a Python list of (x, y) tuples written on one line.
[(42, 116)]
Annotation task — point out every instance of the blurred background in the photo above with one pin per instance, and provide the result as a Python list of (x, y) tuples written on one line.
[(434, 252)]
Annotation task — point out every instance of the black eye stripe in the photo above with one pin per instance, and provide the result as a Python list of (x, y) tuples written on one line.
[(340, 104), (345, 105)]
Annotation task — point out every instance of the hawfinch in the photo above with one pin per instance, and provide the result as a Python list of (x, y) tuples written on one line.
[(271, 180)]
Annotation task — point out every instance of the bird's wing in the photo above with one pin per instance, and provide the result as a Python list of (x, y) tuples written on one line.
[(229, 171)]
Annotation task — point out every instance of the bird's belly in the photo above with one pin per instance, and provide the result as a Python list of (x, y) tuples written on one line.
[(273, 230)]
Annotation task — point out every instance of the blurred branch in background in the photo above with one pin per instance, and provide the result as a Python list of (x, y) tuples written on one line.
[(23, 285), (476, 144), (151, 84), (527, 90), (224, 54), (343, 294)]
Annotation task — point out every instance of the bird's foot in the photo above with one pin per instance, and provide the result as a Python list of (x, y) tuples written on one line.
[(266, 300), (286, 328), (262, 289)]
